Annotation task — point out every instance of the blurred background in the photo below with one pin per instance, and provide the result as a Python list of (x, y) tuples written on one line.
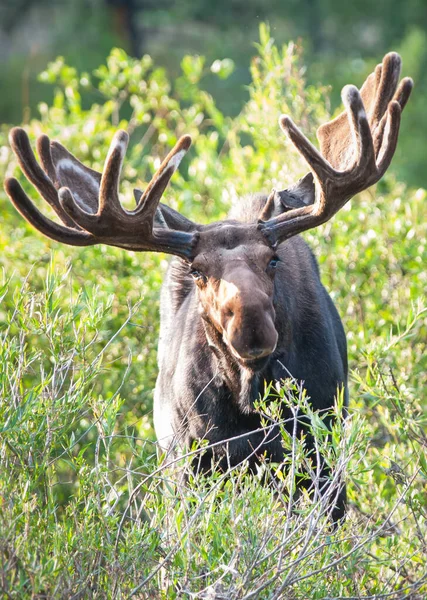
[(342, 41)]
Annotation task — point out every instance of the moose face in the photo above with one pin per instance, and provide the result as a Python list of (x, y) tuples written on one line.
[(234, 272)]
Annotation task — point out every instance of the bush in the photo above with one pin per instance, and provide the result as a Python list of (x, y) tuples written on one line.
[(85, 510)]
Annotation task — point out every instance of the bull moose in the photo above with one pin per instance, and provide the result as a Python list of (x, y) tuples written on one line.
[(242, 300)]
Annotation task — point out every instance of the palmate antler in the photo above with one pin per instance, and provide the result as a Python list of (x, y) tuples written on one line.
[(88, 202), (356, 149)]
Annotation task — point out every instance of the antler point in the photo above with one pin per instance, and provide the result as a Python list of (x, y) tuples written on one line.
[(17, 135), (392, 56), (9, 183), (120, 140), (285, 122), (394, 106), (349, 95), (185, 142)]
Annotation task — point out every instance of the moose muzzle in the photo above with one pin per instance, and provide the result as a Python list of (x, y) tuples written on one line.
[(247, 320)]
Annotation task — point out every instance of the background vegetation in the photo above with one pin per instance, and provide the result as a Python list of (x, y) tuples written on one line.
[(85, 509)]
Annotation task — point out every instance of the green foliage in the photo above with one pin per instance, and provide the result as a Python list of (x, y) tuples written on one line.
[(85, 510)]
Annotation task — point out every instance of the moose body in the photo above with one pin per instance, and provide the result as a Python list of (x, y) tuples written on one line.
[(203, 391), (243, 303)]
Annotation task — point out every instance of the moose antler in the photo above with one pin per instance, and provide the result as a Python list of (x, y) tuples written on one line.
[(356, 149), (88, 202)]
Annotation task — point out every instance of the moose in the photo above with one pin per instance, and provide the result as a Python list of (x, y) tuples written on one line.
[(242, 303)]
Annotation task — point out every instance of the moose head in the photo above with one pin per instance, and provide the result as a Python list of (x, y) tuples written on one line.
[(232, 263)]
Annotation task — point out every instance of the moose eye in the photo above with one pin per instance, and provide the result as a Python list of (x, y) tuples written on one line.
[(273, 262), (198, 276)]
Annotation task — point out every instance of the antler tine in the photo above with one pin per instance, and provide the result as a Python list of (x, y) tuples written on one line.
[(150, 199), (79, 216), (401, 96), (317, 163), (390, 72), (109, 206), (391, 134), (109, 202), (357, 148), (364, 157), (49, 228), (45, 155), (404, 91), (21, 146)]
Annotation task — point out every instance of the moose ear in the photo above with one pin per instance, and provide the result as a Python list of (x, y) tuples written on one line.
[(298, 195), (172, 219), (137, 195)]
